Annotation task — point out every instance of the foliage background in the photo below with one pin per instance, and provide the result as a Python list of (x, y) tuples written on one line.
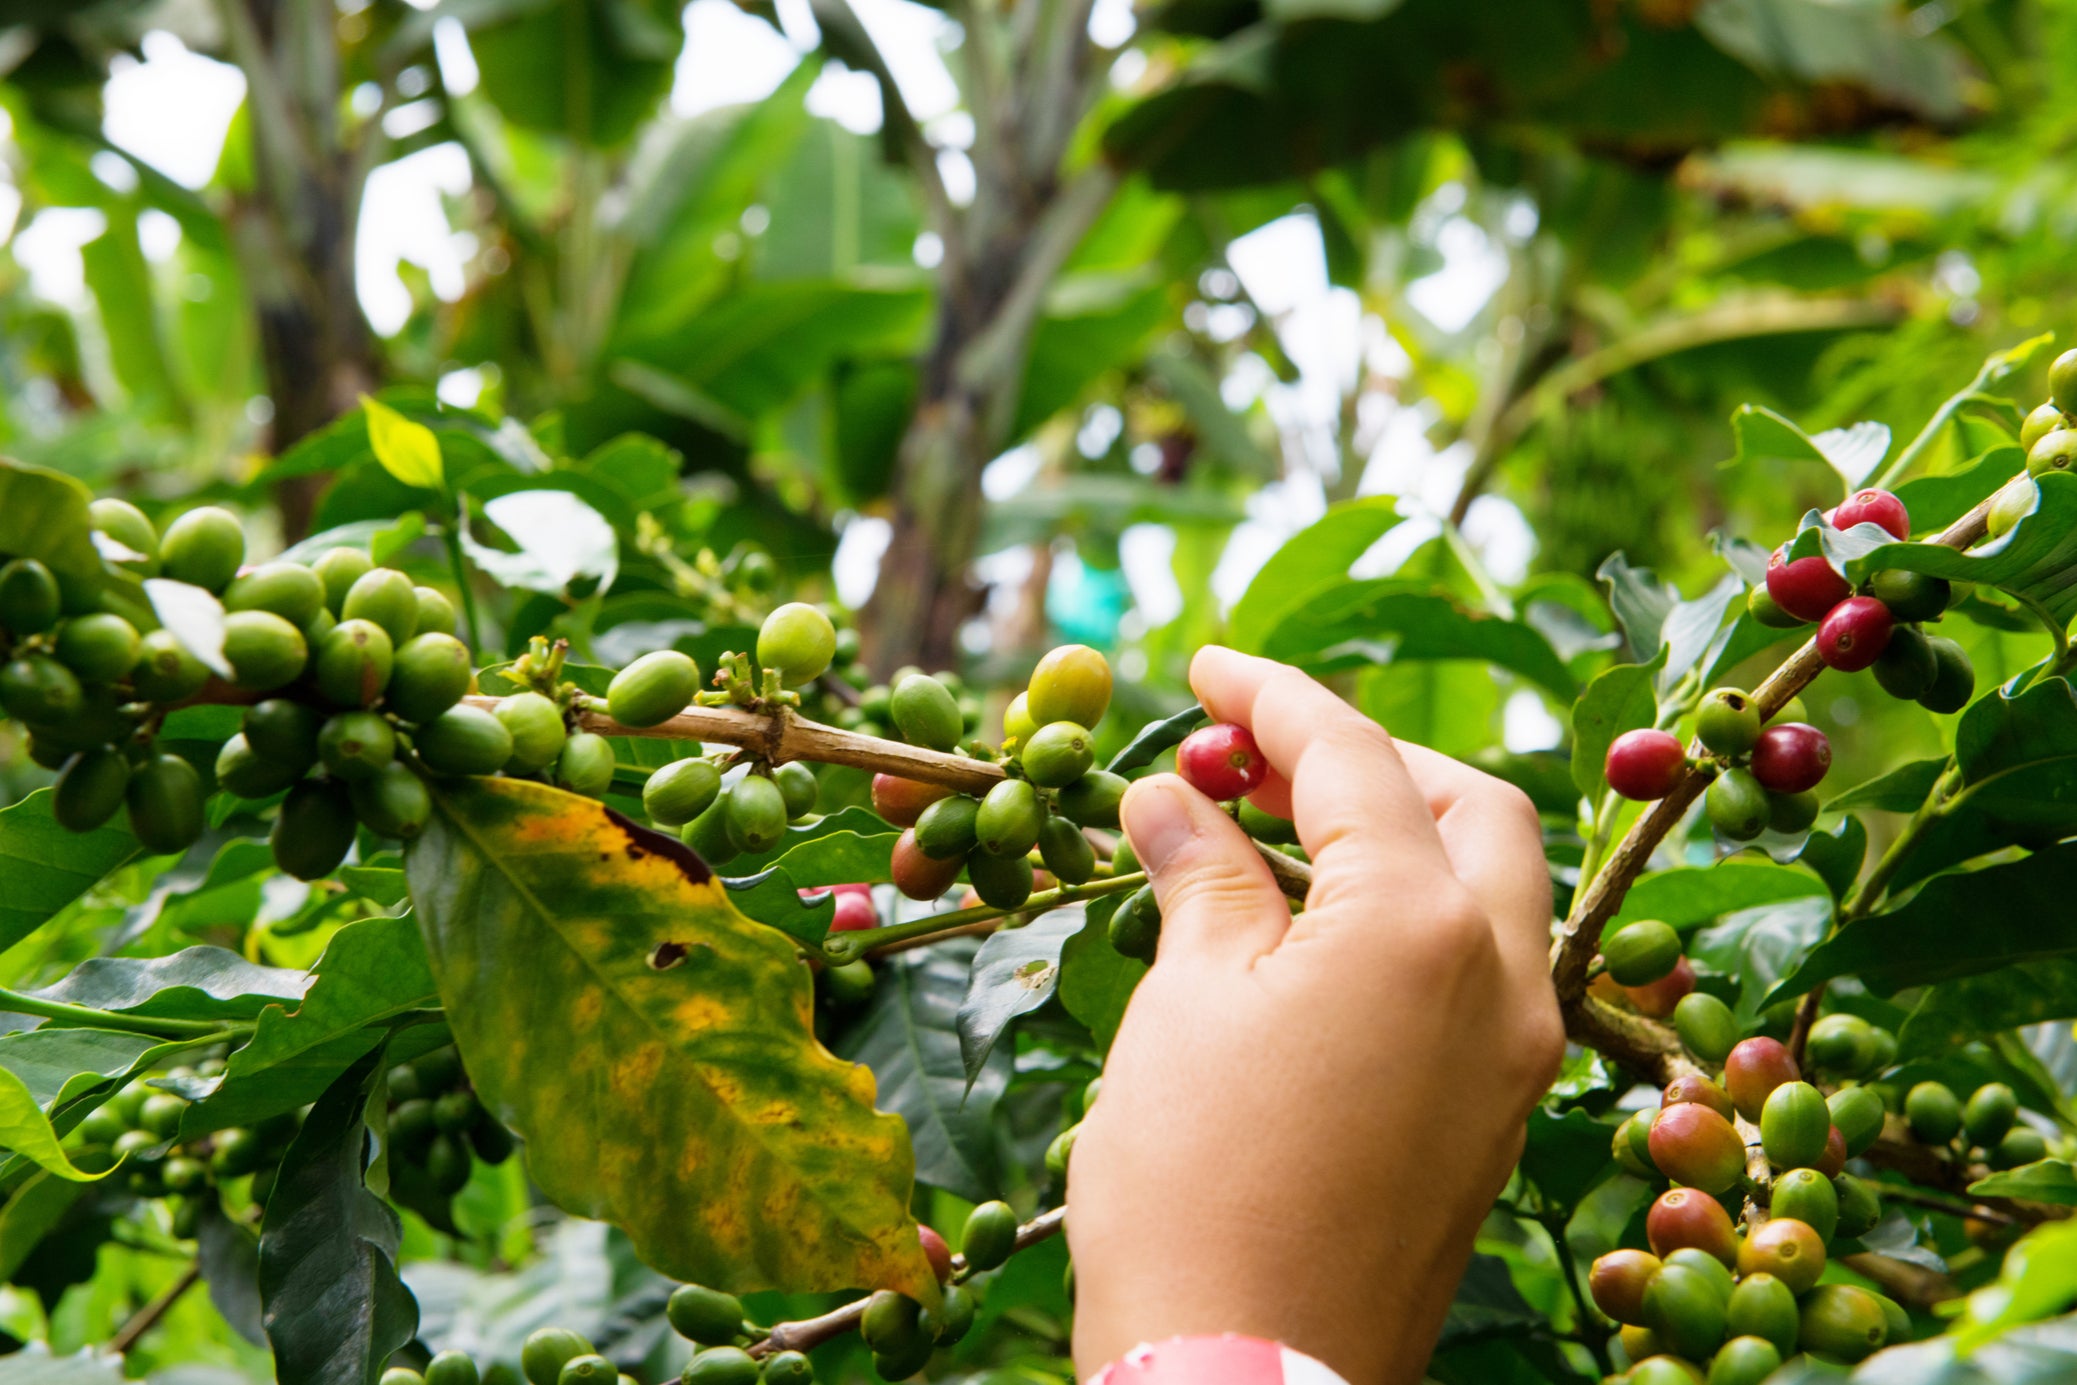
[(1075, 312)]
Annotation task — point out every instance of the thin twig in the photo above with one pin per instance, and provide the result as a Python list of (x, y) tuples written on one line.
[(147, 1317)]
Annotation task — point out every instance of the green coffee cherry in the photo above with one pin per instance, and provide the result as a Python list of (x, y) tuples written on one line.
[(2022, 1145), (652, 689), (1706, 1025), (126, 524), (204, 547), (537, 731), (165, 671), (161, 1114), (1795, 1123), (236, 1152), (1727, 722), (355, 745), (339, 569), (401, 1375), (386, 597), (1907, 666), (2040, 421), (926, 713), (464, 740), (1071, 683), (680, 791), (849, 984), (1093, 800), (1263, 827), (1009, 819), (245, 772), (264, 651), (457, 1112), (588, 1370), (1910, 596), (314, 830), (1017, 724), (1744, 1361), (1057, 754), (788, 1367), (585, 765), (1683, 1308), (1631, 1146), (165, 802), (1990, 1112), (284, 731), (1842, 1321), (756, 814), (990, 1235), (798, 641), (1954, 684), (1841, 1043), (1066, 852), (354, 663), (946, 829), (288, 590), (703, 1315), (1859, 1113), (892, 1322), (37, 688), (435, 612), (452, 1368), (707, 834), (1792, 813), (721, 1366), (447, 1164), (1762, 606), (1807, 1196), (393, 802), (1860, 1210), (1640, 953), (1738, 806), (1002, 882), (952, 1319), (1135, 929), (1706, 1265), (429, 674), (545, 1352), (90, 789), (29, 600), (1934, 1112), (798, 787)]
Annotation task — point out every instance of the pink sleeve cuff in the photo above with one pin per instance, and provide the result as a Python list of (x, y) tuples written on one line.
[(1223, 1360)]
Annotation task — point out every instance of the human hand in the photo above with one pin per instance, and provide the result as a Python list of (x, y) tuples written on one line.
[(1305, 1119)]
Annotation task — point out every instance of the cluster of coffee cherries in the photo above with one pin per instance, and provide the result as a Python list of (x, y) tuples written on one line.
[(795, 646), (2049, 436), (435, 1122), (1051, 790), (1877, 627), (139, 1128), (1707, 1297), (874, 713), (1766, 774), (1987, 1124)]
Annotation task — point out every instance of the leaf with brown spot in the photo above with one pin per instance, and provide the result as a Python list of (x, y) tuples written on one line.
[(692, 1105)]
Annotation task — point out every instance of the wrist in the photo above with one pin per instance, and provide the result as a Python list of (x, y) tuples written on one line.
[(1225, 1359)]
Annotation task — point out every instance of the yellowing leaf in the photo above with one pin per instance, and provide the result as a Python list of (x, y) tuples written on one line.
[(656, 1049), (27, 1131), (406, 449)]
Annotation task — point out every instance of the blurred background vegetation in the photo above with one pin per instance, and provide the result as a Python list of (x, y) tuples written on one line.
[(1020, 320)]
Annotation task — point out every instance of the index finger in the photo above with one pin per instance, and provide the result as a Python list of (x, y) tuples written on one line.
[(1360, 814)]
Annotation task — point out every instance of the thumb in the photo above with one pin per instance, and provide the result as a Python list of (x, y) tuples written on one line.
[(1217, 896)]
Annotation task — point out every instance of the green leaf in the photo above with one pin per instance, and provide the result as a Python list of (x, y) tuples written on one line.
[(561, 541), (2034, 560), (196, 983), (1904, 789), (1758, 946), (194, 617), (1154, 739), (334, 1308), (851, 844), (43, 515), (228, 1255), (1836, 854), (34, 1365), (1764, 435), (1096, 980), (2037, 1280), (909, 1037), (1954, 1012), (1958, 925), (1619, 699), (26, 1131), (1566, 1155), (31, 1213), (2047, 1180), (1388, 619), (1689, 895), (1938, 501), (55, 1064), (48, 867), (373, 975), (1014, 973), (671, 1022), (1656, 619), (407, 450)]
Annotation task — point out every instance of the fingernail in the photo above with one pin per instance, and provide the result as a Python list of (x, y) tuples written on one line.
[(1157, 822)]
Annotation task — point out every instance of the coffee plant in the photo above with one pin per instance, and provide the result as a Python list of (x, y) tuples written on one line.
[(466, 830)]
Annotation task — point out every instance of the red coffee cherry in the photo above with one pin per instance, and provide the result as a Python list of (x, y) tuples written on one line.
[(1685, 1217), (1785, 1248), (1659, 998), (1694, 1145), (1643, 764), (917, 875), (902, 801), (1699, 1090), (936, 1251), (1805, 588), (1833, 1162), (1618, 1281), (1854, 634), (1791, 757), (1873, 507), (1753, 1070), (1222, 762), (854, 912)]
